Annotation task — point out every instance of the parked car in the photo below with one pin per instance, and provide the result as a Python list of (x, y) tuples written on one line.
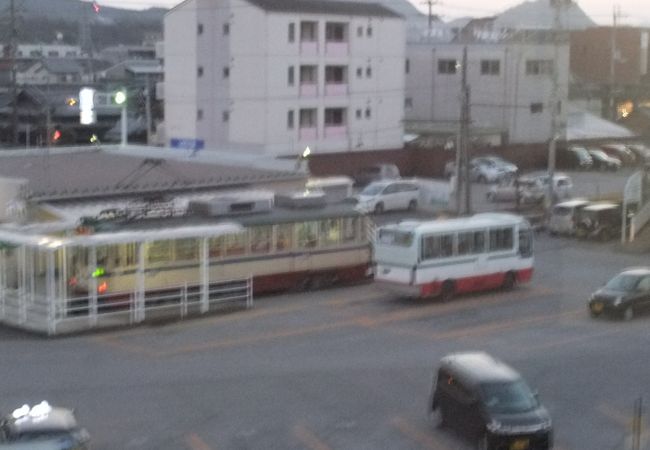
[(564, 216), (562, 183), (625, 295), (599, 221), (602, 161), (621, 152), (574, 157), (388, 195), (367, 175), (490, 403), (642, 153), (491, 169), (506, 191), (42, 427)]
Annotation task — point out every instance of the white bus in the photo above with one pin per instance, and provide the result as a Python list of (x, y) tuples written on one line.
[(446, 257)]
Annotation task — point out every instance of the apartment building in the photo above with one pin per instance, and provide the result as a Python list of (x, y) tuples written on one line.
[(282, 75), (510, 77)]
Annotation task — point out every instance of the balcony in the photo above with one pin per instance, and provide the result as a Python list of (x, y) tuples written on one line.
[(337, 48), (308, 133), (309, 48), (309, 90), (336, 131), (336, 89)]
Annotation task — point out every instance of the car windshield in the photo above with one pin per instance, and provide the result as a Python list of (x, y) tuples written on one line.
[(599, 154), (623, 282), (372, 189), (508, 398)]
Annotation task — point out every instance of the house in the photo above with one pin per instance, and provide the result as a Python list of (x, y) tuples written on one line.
[(282, 75)]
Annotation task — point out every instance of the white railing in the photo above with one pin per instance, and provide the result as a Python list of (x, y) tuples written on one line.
[(121, 308)]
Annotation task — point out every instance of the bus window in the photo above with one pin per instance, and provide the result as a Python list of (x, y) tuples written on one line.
[(260, 239), (479, 242), (526, 243), (465, 243), (307, 234), (284, 237), (215, 247), (330, 231), (501, 239), (440, 246), (350, 225)]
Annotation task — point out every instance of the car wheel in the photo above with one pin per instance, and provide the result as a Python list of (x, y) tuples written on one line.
[(413, 205), (509, 281), (628, 314), (379, 208), (447, 291)]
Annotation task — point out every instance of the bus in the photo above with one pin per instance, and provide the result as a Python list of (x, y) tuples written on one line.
[(452, 256)]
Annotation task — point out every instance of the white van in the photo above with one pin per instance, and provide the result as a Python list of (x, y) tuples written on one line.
[(564, 215), (388, 195), (336, 189)]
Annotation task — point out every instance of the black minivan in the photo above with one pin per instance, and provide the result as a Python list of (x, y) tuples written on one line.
[(489, 402)]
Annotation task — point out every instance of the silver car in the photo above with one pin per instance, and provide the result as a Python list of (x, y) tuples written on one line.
[(42, 427)]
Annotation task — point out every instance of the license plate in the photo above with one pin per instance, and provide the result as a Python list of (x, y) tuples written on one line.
[(597, 307), (519, 444)]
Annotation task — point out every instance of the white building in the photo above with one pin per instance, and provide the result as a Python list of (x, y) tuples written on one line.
[(284, 74), (47, 51), (510, 75)]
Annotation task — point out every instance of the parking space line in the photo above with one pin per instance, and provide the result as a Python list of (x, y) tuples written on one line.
[(309, 439), (196, 443), (426, 440)]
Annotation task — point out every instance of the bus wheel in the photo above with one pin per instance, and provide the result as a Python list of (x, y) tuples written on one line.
[(447, 291), (509, 281)]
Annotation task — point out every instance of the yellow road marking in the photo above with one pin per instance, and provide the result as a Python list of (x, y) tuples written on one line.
[(424, 439), (196, 443), (309, 439)]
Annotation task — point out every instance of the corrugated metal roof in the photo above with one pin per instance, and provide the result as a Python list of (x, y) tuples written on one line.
[(325, 7)]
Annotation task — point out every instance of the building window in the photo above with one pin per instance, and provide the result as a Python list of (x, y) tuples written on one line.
[(334, 117), (336, 75), (536, 108), (226, 29), (290, 76), (225, 116), (367, 113), (369, 31), (308, 118), (539, 67), (359, 31), (226, 72), (408, 102), (368, 72), (447, 66), (308, 31), (199, 114), (199, 71), (490, 67), (335, 32), (359, 72), (407, 66), (358, 114), (199, 29), (290, 119), (53, 53), (292, 32)]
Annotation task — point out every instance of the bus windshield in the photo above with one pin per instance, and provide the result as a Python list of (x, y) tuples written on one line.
[(395, 237)]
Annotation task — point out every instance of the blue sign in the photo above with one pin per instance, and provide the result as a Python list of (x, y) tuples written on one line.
[(187, 144)]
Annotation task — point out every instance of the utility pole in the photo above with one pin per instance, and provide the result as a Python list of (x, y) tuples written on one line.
[(13, 43), (147, 108), (612, 63), (464, 132), (430, 4)]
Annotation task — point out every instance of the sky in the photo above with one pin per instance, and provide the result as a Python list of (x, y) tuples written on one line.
[(632, 12)]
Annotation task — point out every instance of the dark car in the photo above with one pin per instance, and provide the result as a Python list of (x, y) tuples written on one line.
[(490, 403), (42, 427), (600, 221), (625, 295), (642, 153), (602, 161), (621, 152), (574, 157)]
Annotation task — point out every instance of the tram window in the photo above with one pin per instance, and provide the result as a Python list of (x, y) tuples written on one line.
[(330, 231), (215, 247), (501, 239), (307, 234), (284, 237), (260, 239), (350, 226), (159, 251), (186, 249), (235, 244), (131, 254)]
